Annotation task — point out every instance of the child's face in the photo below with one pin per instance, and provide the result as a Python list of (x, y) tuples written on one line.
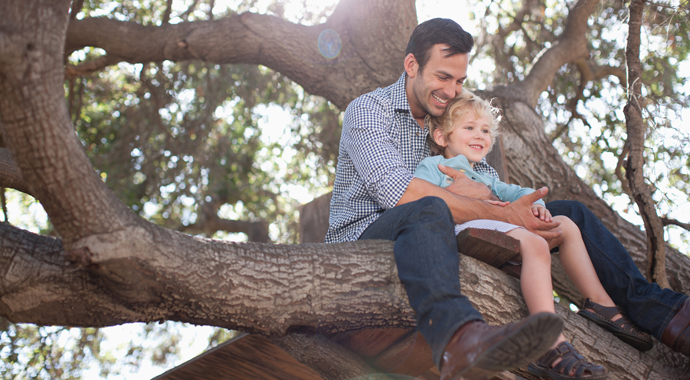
[(470, 137)]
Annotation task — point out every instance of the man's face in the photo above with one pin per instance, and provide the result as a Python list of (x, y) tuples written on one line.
[(439, 82)]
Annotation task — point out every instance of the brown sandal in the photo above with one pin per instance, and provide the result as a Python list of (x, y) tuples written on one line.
[(623, 328), (571, 360)]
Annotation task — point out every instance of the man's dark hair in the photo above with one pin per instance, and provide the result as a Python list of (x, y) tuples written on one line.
[(438, 31)]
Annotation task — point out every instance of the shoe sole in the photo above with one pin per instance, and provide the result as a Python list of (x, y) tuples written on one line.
[(518, 349)]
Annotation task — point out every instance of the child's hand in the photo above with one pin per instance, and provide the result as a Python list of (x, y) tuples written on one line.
[(541, 212), (498, 203)]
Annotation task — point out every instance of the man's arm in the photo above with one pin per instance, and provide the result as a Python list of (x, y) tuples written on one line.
[(465, 208)]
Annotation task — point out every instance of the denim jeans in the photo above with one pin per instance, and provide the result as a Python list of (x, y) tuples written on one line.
[(426, 254), (649, 306)]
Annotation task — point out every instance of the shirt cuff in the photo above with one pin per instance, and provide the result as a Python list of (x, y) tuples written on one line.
[(392, 188)]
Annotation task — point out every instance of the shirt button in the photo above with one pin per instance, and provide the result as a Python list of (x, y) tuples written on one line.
[(417, 133)]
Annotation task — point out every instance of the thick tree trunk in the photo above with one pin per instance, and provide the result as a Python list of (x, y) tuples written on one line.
[(156, 274)]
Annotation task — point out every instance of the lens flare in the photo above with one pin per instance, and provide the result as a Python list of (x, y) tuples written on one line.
[(329, 43)]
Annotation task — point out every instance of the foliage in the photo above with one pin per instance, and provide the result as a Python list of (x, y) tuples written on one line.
[(583, 107), (175, 140), (43, 352)]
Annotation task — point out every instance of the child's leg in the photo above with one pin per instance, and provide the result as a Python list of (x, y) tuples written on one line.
[(535, 281), (577, 264), (535, 277)]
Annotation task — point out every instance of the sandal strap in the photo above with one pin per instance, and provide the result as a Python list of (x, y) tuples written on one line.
[(609, 312), (570, 359)]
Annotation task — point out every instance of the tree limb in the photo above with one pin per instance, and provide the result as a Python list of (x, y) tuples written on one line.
[(674, 222), (77, 5), (260, 39), (272, 290), (589, 72), (38, 130), (10, 176), (256, 231), (571, 46), (619, 171), (89, 67), (634, 171), (166, 14)]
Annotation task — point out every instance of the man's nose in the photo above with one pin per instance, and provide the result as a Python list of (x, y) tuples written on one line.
[(458, 89), (452, 90)]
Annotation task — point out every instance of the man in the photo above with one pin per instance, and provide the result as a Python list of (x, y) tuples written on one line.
[(376, 197)]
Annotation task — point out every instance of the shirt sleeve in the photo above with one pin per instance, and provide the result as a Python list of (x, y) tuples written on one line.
[(367, 140), (428, 171), (511, 193)]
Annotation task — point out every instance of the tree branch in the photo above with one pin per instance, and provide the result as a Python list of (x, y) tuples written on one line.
[(95, 65), (77, 5), (571, 46), (285, 47), (10, 176), (589, 72), (38, 130), (675, 222), (634, 171), (152, 274), (619, 172), (256, 231), (166, 14)]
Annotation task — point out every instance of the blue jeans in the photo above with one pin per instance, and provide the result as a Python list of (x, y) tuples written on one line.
[(426, 254), (647, 305)]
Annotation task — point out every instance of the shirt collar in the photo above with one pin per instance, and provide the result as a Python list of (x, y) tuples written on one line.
[(399, 96)]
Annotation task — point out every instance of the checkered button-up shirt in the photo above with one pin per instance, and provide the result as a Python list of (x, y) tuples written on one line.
[(380, 147)]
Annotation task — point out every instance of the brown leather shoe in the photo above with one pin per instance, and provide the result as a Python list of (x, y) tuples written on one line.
[(478, 351), (677, 333)]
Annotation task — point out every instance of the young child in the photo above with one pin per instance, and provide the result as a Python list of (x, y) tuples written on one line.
[(460, 139)]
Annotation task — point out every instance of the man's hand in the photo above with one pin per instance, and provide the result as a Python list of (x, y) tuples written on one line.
[(520, 213), (465, 186), (541, 212)]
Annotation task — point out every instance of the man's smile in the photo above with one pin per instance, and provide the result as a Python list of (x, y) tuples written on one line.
[(439, 99)]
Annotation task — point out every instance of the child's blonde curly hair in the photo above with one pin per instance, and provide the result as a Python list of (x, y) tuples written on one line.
[(458, 109)]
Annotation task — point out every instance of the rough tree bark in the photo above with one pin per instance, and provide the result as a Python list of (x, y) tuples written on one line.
[(111, 267), (634, 170), (268, 289)]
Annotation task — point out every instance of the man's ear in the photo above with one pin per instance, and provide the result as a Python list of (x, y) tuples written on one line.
[(439, 138), (411, 65)]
